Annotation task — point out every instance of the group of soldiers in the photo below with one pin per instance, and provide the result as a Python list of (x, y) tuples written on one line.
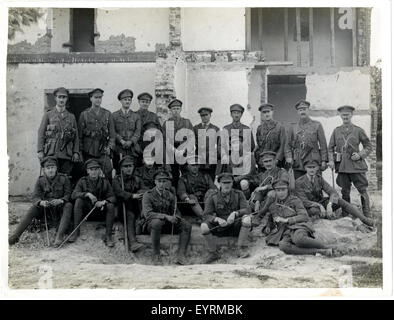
[(281, 189)]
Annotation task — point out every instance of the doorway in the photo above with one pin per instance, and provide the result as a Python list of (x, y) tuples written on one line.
[(283, 92), (82, 30)]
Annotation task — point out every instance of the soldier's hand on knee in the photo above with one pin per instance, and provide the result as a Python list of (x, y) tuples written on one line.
[(92, 197), (100, 204), (75, 157), (323, 166), (221, 222), (172, 219), (231, 217), (331, 164), (280, 220), (137, 195), (56, 202)]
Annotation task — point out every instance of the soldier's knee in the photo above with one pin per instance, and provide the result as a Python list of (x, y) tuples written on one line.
[(247, 221), (110, 207), (156, 224), (244, 184), (186, 226), (313, 212), (205, 228), (79, 203), (68, 206)]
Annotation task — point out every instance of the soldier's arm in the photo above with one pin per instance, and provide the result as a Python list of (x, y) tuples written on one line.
[(111, 128), (38, 193), (322, 143), (118, 137), (330, 191), (211, 184), (119, 192), (331, 147), (243, 205), (76, 136), (147, 208), (67, 189), (81, 128), (283, 141), (181, 190), (302, 195), (301, 213), (367, 146), (209, 210), (137, 132), (172, 206), (41, 133), (79, 191)]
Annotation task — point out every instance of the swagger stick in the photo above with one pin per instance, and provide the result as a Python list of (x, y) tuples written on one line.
[(76, 228), (126, 239)]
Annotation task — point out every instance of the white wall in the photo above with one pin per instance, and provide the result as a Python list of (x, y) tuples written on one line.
[(213, 29), (147, 25)]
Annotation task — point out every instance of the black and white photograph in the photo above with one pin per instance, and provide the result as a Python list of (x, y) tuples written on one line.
[(180, 145)]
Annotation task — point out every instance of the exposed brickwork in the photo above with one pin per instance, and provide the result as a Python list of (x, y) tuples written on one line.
[(42, 45), (116, 44), (175, 27), (224, 56), (372, 177), (363, 35)]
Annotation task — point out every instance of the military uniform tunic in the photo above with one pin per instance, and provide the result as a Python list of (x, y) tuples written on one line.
[(197, 185), (127, 128), (100, 188), (291, 208), (307, 141), (48, 189), (240, 126), (132, 184), (265, 179), (271, 136), (58, 135), (96, 131)]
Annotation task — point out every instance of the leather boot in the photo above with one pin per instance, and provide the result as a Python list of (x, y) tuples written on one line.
[(213, 254), (242, 244), (352, 210), (155, 236), (134, 245), (184, 239), (109, 222), (266, 204), (25, 222), (64, 224), (365, 204)]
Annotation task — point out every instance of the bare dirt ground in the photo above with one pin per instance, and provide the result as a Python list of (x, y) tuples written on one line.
[(90, 264)]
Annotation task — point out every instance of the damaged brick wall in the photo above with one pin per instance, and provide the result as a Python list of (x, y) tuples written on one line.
[(42, 45), (363, 35), (115, 44), (372, 177)]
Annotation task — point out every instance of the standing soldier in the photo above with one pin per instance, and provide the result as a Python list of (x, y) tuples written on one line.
[(177, 123), (293, 231), (211, 131), (226, 213), (129, 195), (306, 141), (97, 132), (127, 125), (347, 158), (149, 119), (310, 187), (271, 135), (58, 134), (51, 194), (161, 215), (94, 191), (237, 111)]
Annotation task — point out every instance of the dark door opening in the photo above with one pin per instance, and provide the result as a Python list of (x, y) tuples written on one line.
[(283, 92), (82, 30)]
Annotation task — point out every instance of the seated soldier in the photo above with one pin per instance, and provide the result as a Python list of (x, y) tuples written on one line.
[(226, 214), (94, 191), (241, 164), (147, 171), (51, 195), (293, 233), (310, 187), (263, 194), (193, 185), (161, 215), (126, 187)]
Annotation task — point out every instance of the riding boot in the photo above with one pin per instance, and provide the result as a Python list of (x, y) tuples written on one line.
[(352, 210), (213, 254), (242, 244), (25, 222), (184, 239), (266, 204), (64, 224), (365, 204), (134, 245), (155, 236)]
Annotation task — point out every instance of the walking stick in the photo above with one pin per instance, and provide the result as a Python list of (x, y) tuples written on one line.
[(76, 228), (46, 227), (333, 178), (126, 239)]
